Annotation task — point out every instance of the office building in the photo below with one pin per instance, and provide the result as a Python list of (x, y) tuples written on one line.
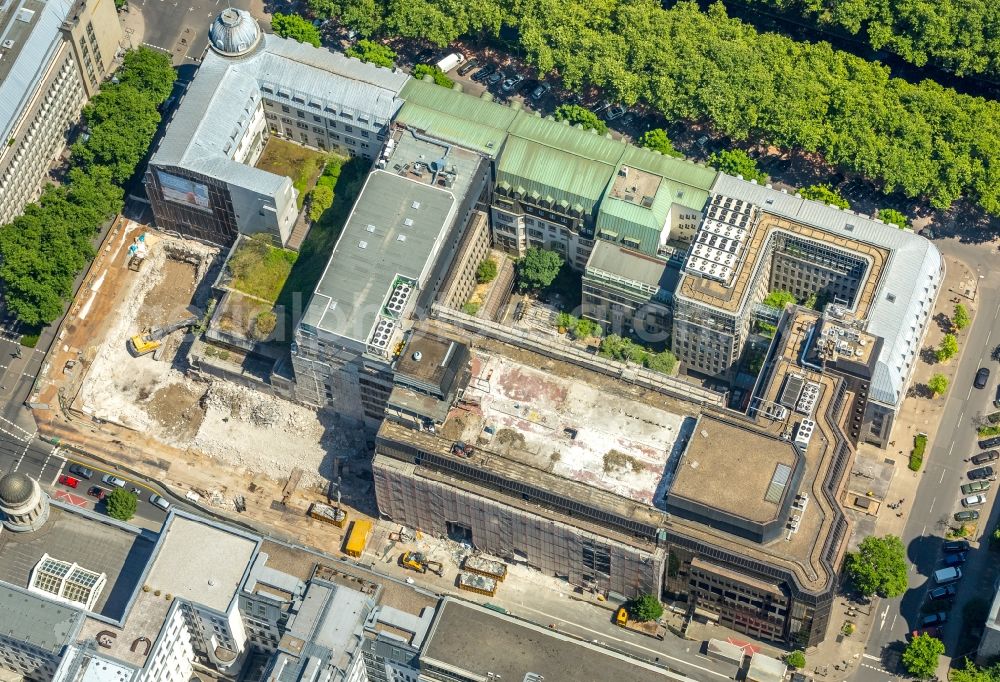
[(755, 239), (202, 180), (53, 57), (391, 261)]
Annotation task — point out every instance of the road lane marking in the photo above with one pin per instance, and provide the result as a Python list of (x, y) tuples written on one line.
[(885, 614), (55, 479), (870, 657), (893, 623), (931, 508), (941, 480), (29, 435)]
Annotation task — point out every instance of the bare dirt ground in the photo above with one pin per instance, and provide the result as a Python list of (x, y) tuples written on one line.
[(245, 428)]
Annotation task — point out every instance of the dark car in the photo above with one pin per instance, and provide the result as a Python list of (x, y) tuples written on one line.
[(80, 471), (943, 592), (527, 86), (955, 558), (540, 91), (484, 72), (956, 546), (98, 492), (980, 473), (982, 376), (424, 56), (931, 619), (968, 515), (987, 443), (468, 67), (494, 78), (984, 457), (996, 399)]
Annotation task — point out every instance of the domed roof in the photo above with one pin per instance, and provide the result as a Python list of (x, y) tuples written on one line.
[(15, 489), (234, 32)]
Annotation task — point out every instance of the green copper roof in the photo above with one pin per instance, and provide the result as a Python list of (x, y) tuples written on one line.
[(552, 173), (453, 116)]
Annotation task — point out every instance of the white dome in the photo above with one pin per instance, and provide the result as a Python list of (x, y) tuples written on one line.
[(234, 33)]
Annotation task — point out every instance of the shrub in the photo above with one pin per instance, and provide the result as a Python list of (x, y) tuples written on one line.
[(644, 608), (121, 504), (264, 324), (439, 77), (891, 215), (487, 271), (796, 659), (320, 199), (960, 317), (917, 454), (470, 308), (937, 384), (948, 348)]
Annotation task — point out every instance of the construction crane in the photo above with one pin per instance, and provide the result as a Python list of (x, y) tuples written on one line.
[(416, 561), (149, 340)]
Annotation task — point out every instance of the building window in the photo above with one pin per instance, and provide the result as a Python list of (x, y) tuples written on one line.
[(301, 114), (285, 109), (317, 119)]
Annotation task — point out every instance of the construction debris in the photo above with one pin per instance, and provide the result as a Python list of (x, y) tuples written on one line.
[(486, 567), (480, 584)]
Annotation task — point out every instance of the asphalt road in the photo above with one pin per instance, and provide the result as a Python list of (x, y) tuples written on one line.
[(939, 491)]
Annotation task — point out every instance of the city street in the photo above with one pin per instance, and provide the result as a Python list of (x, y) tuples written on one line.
[(939, 491)]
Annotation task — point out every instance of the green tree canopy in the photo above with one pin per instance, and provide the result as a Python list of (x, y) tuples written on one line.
[(737, 162), (779, 299), (948, 348), (657, 140), (575, 114), (321, 198), (938, 384), (920, 658), (487, 271), (960, 317), (645, 608), (796, 659), (438, 76), (826, 194), (296, 28), (121, 504), (373, 53), (891, 215), (537, 269), (149, 71), (879, 566), (970, 672)]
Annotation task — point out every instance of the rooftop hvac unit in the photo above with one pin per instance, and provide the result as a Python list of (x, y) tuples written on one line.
[(804, 433)]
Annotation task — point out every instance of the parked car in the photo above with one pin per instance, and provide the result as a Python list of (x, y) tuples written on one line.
[(494, 78), (484, 72), (973, 500), (159, 502), (617, 111), (108, 479), (975, 487), (80, 471), (980, 473), (540, 91), (996, 398), (968, 515), (628, 119), (956, 546), (69, 480), (945, 592), (933, 619), (511, 82), (98, 492), (984, 457), (982, 377), (467, 67), (955, 559), (135, 491), (989, 442), (424, 56)]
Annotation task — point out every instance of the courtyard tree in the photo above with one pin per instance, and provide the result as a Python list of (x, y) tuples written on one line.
[(737, 162), (487, 271), (779, 299), (296, 28), (121, 504), (891, 215), (878, 567), (948, 348), (960, 317), (826, 194), (657, 140), (646, 607), (574, 114), (537, 269), (320, 199), (796, 659), (937, 384), (920, 658), (372, 52)]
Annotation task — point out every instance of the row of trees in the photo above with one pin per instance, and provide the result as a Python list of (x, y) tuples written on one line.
[(956, 35), (919, 139), (43, 250)]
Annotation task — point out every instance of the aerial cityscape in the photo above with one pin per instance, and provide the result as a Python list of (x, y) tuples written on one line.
[(371, 341)]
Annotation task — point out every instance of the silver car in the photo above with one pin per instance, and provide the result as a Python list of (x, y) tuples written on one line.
[(973, 500), (113, 480), (159, 502)]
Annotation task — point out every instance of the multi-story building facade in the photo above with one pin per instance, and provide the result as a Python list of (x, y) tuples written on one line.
[(53, 58), (202, 181), (392, 259)]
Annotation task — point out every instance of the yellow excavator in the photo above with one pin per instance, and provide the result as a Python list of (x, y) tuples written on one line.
[(416, 561), (148, 340)]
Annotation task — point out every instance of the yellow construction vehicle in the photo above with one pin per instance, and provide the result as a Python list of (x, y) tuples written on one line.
[(148, 340), (415, 561)]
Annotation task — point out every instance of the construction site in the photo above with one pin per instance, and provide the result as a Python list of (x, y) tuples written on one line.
[(132, 371)]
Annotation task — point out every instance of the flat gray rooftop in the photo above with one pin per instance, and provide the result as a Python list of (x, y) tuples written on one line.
[(81, 537), (470, 638), (615, 260), (201, 562), (30, 618)]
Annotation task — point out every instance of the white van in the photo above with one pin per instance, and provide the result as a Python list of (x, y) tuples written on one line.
[(943, 576), (449, 62)]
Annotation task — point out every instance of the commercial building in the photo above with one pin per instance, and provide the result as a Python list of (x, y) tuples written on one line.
[(53, 57), (85, 597), (201, 180), (391, 260), (756, 239)]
